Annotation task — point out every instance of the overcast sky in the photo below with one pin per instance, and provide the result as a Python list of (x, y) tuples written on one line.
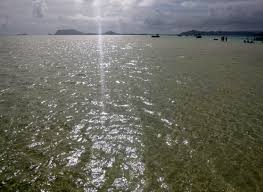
[(137, 16)]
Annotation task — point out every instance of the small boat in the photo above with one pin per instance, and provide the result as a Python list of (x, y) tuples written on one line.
[(198, 36), (156, 36)]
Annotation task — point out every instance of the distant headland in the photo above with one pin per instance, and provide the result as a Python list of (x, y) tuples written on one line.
[(258, 35), (22, 34), (76, 32), (71, 32), (221, 33)]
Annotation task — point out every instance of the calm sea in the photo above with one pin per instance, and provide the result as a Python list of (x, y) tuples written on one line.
[(130, 113)]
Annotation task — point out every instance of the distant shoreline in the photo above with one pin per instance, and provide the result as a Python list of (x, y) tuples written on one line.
[(222, 33), (187, 33)]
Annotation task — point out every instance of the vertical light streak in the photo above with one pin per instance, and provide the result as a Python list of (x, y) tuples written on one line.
[(101, 55)]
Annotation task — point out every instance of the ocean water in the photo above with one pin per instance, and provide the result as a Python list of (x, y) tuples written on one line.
[(130, 113)]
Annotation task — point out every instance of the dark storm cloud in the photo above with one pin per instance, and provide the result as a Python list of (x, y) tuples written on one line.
[(208, 15), (166, 16)]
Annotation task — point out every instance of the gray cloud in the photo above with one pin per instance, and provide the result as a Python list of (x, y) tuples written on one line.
[(4, 21), (166, 16)]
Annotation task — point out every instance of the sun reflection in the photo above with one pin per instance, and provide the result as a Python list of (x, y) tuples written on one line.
[(101, 54)]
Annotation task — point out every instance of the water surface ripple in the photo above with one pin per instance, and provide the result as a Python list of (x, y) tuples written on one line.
[(124, 113)]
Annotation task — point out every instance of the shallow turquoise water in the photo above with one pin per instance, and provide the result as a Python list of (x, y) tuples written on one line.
[(130, 113)]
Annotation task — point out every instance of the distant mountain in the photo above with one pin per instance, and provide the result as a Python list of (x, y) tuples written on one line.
[(23, 34), (71, 32), (111, 33), (221, 33), (75, 32), (68, 32)]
